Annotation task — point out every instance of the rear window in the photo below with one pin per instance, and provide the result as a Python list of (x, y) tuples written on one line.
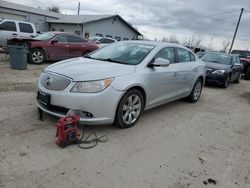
[(25, 28), (183, 55), (76, 39)]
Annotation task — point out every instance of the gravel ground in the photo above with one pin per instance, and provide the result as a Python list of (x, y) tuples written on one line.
[(178, 145)]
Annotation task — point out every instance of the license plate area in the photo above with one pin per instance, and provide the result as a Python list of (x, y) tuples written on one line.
[(43, 98)]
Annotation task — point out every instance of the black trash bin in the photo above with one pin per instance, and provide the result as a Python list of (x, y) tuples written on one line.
[(18, 57)]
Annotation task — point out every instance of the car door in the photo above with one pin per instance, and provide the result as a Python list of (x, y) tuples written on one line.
[(186, 69), (162, 80), (26, 30), (236, 68), (58, 48), (77, 46), (8, 29)]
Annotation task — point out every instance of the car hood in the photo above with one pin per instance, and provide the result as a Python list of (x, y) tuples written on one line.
[(83, 69), (216, 66)]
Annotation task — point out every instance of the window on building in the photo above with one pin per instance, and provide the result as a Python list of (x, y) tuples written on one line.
[(109, 36), (76, 39), (8, 26), (86, 35), (61, 29), (53, 29), (26, 28), (98, 35), (166, 53), (183, 55), (118, 38), (78, 33), (125, 39), (62, 38)]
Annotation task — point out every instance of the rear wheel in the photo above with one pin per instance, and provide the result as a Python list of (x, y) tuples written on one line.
[(247, 75), (37, 56), (129, 109), (196, 92)]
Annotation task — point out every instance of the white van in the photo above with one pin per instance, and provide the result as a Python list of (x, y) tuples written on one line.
[(14, 28)]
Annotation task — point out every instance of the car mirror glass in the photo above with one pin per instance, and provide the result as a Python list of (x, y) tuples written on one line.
[(54, 41)]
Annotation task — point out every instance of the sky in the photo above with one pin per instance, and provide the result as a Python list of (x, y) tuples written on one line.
[(212, 21)]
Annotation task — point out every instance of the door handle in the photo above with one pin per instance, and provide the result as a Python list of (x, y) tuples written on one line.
[(195, 70), (66, 46), (14, 34)]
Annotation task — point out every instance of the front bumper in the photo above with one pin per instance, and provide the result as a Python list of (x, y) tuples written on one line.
[(218, 79), (101, 106)]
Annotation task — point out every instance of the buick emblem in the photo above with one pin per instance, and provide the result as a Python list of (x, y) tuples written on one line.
[(48, 82)]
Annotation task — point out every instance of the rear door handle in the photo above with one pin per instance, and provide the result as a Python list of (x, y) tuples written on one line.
[(175, 74), (66, 46), (14, 34), (195, 70)]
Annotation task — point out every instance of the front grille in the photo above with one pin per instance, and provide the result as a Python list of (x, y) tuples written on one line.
[(209, 71), (53, 81)]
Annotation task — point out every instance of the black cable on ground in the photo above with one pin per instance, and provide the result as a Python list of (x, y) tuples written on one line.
[(86, 141)]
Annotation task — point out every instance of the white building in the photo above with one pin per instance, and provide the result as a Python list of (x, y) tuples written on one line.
[(86, 25)]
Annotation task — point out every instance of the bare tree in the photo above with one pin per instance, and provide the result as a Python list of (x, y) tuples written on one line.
[(225, 45), (198, 41), (210, 46), (164, 39), (173, 39), (54, 9)]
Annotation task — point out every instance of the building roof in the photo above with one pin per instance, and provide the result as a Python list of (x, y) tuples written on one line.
[(19, 7), (84, 19)]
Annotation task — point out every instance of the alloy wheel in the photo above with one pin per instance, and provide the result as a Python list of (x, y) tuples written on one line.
[(197, 90), (37, 57), (131, 109)]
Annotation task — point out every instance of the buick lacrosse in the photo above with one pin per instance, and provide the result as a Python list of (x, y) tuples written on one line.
[(116, 83)]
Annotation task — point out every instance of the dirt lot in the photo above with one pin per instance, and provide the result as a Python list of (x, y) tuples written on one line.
[(162, 150)]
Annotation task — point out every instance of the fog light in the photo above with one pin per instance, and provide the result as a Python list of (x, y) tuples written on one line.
[(80, 113)]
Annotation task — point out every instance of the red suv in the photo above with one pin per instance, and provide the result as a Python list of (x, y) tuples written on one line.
[(58, 46)]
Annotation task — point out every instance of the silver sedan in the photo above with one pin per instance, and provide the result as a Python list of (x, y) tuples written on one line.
[(115, 84)]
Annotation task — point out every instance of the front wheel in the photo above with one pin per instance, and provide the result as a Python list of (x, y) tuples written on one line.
[(129, 109), (226, 83), (196, 92)]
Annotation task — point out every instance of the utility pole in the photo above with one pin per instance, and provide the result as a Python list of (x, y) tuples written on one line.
[(236, 30), (78, 12)]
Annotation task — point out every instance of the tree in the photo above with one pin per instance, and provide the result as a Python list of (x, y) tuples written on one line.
[(173, 39), (54, 9), (164, 39), (225, 45), (210, 46)]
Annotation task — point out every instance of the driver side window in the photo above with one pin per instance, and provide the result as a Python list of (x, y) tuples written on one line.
[(62, 38), (166, 53)]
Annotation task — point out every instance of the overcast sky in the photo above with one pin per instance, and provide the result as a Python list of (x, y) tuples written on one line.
[(211, 20)]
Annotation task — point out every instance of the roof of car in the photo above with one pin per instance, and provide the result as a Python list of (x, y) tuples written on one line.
[(222, 53)]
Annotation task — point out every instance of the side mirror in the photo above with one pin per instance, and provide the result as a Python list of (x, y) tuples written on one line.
[(54, 41), (160, 62), (97, 42)]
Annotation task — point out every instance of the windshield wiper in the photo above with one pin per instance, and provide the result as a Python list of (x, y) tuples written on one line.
[(113, 61)]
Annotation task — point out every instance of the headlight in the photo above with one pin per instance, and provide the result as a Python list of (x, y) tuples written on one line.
[(91, 86), (219, 72)]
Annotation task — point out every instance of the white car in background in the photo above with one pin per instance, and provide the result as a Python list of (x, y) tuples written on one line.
[(102, 41), (13, 28)]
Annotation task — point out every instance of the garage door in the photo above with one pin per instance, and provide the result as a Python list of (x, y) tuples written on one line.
[(12, 16)]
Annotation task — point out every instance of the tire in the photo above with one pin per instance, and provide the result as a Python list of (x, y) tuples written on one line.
[(237, 81), (129, 109), (227, 82), (196, 92), (37, 56), (247, 74)]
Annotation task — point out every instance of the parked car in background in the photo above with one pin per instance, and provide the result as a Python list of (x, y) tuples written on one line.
[(222, 68), (200, 54), (115, 84), (58, 46), (15, 28), (102, 41), (245, 59)]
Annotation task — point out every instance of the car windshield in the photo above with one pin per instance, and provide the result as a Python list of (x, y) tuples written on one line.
[(45, 36), (217, 58), (122, 52)]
